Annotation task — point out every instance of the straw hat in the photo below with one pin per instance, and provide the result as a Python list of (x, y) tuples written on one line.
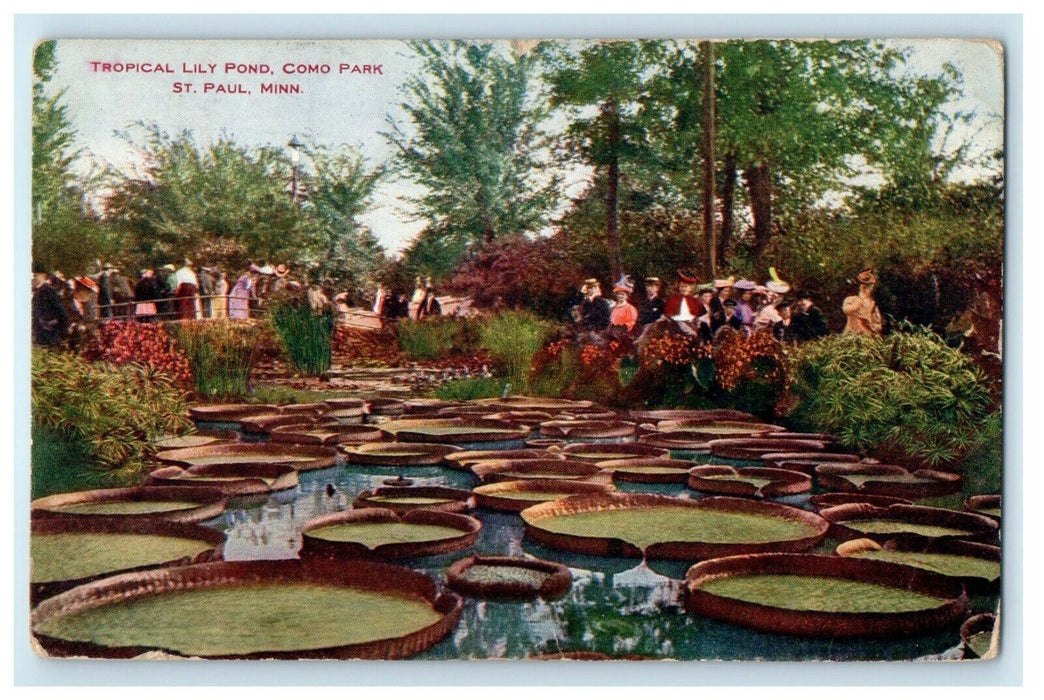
[(745, 285), (654, 281), (86, 283), (721, 284)]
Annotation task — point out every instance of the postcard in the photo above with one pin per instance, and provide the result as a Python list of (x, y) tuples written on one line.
[(536, 349)]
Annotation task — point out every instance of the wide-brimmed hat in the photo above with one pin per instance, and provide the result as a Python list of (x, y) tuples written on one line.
[(687, 277), (705, 287), (745, 285), (281, 270), (267, 270), (728, 282), (621, 288), (867, 276), (170, 266), (654, 280), (86, 283)]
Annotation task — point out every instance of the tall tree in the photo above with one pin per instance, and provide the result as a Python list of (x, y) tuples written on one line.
[(66, 235), (797, 119), (341, 189), (609, 77), (221, 203), (472, 139)]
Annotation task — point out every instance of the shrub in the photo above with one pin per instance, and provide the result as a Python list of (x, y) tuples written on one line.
[(304, 334), (468, 389), (512, 339), (122, 342), (437, 337), (117, 412), (568, 369), (906, 396), (221, 355)]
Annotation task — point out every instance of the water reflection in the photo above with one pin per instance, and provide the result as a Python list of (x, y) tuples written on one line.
[(617, 606)]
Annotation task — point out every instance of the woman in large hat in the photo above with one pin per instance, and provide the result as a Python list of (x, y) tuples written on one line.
[(624, 314), (864, 318), (682, 306)]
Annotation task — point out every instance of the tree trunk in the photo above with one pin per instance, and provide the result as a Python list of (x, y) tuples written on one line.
[(612, 115), (708, 159), (759, 187), (728, 220)]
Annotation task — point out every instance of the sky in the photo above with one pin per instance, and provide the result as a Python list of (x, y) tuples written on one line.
[(348, 103)]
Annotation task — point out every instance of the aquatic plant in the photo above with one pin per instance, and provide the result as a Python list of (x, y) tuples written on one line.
[(221, 355), (304, 334), (512, 339)]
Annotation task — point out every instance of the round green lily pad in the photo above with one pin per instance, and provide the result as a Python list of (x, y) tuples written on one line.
[(819, 594)]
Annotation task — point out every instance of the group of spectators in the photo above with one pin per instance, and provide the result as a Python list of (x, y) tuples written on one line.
[(65, 310), (398, 305), (705, 310)]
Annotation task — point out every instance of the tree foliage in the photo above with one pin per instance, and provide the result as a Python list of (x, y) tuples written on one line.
[(228, 204), (472, 139), (65, 235), (609, 77)]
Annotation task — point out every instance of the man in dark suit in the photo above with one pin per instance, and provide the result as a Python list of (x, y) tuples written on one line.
[(652, 307), (807, 322)]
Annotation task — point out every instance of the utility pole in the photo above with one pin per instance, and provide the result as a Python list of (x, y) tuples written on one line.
[(709, 133)]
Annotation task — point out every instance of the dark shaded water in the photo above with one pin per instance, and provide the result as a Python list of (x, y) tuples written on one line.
[(616, 606)]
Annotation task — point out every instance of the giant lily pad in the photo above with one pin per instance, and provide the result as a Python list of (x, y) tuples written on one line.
[(141, 502), (66, 552), (907, 525), (300, 457), (975, 565), (814, 595), (271, 609), (671, 528), (382, 533), (516, 496), (399, 454)]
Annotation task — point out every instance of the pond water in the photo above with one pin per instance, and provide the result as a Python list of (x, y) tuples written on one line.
[(616, 606)]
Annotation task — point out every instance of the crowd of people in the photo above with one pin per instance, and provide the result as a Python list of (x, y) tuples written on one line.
[(725, 305)]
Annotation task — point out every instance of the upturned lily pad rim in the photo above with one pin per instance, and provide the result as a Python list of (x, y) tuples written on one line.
[(534, 402), (122, 526), (508, 470), (655, 416), (468, 527), (226, 412), (318, 457), (626, 449), (979, 527), (365, 575), (190, 440), (963, 548), (312, 433), (242, 479), (419, 453), (953, 605), (934, 483), (463, 459), (754, 448), (983, 622), (628, 470), (838, 498), (975, 504), (691, 550), (588, 428), (491, 495), (210, 503), (556, 585), (459, 500), (266, 422), (679, 441), (782, 482)]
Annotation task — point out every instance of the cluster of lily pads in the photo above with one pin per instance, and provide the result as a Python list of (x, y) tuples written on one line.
[(900, 568)]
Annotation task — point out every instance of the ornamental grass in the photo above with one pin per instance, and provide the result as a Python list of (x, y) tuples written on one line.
[(221, 355), (304, 334), (116, 412)]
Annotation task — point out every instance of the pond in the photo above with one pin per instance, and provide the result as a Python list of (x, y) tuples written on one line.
[(616, 606)]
